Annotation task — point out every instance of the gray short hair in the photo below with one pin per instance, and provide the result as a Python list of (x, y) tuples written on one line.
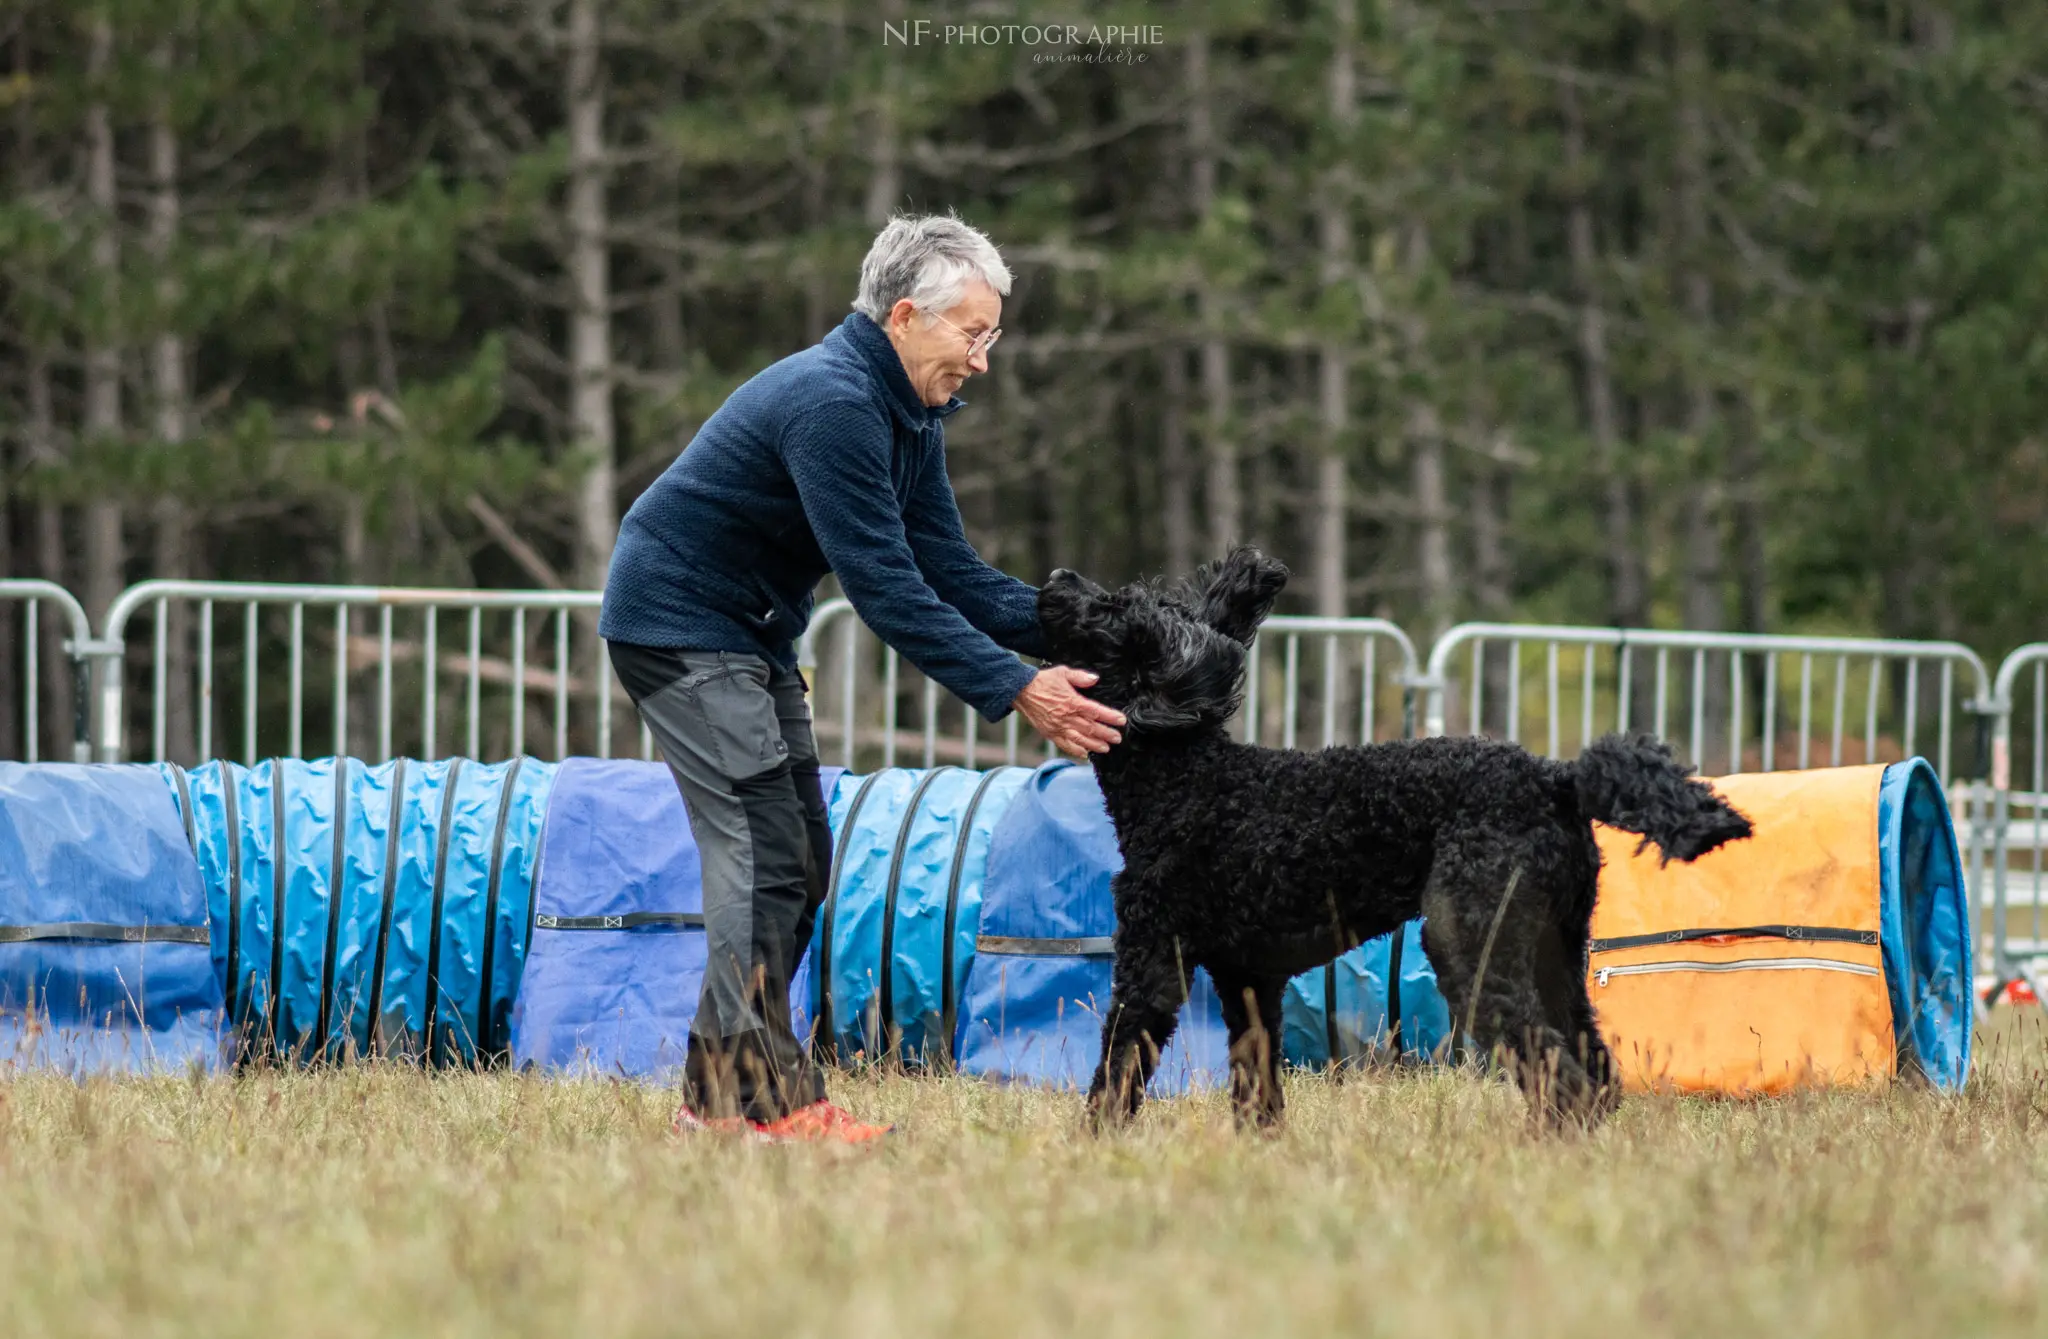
[(929, 259)]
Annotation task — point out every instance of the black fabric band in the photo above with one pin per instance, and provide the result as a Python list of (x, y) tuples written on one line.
[(1335, 1044), (1824, 934), (337, 888), (280, 876), (486, 1040), (232, 832), (1394, 947), (1085, 946), (393, 826), (185, 807), (949, 1006), (825, 1037), (99, 931), (886, 978), (441, 840), (632, 920)]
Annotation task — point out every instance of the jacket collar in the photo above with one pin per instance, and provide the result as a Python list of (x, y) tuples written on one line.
[(884, 363)]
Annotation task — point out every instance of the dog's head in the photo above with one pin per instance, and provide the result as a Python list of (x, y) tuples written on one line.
[(1169, 659)]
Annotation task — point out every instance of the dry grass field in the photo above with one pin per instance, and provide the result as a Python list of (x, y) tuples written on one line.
[(382, 1201)]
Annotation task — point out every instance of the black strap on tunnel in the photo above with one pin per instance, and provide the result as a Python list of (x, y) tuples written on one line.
[(631, 920), (1825, 934), (375, 1025), (1394, 988), (230, 812), (185, 807), (433, 1005), (486, 1040), (886, 978), (273, 1007), (337, 887), (101, 931), (830, 914), (1337, 1056), (949, 1005)]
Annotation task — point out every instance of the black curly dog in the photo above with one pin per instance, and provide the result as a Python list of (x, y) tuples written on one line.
[(1260, 863)]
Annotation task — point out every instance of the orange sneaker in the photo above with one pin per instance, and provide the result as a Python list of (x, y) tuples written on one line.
[(823, 1123), (689, 1122)]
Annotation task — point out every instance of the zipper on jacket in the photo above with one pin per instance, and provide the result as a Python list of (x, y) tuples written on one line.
[(1601, 975)]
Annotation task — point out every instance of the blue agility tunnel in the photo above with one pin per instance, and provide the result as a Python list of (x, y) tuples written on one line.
[(1344, 1013), (1924, 920), (616, 961), (363, 910), (894, 942), (105, 957), (456, 912)]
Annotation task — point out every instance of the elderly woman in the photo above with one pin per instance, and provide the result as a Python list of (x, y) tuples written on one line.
[(831, 460)]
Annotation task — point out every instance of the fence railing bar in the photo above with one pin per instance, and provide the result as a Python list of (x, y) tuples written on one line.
[(562, 683), (1290, 690), (1842, 705), (518, 681), (1476, 725), (341, 748), (1735, 711), (888, 710), (1770, 745), (1368, 690), (1586, 698), (1550, 712), (1805, 711), (298, 679), (205, 680), (1251, 696), (249, 617), (1514, 692), (31, 676), (1698, 743), (1332, 671), (1912, 721), (384, 683), (1623, 720), (430, 639), (1948, 684), (1870, 711), (159, 676), (476, 682)]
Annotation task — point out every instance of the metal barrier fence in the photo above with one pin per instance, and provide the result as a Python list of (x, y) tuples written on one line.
[(381, 658), (1734, 690), (30, 600), (1346, 679), (232, 667), (2020, 820)]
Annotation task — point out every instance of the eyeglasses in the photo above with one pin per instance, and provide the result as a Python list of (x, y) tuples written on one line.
[(980, 343)]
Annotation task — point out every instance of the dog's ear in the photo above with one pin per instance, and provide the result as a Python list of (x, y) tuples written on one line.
[(1183, 673), (1239, 592)]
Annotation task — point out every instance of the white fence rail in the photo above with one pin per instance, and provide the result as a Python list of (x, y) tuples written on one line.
[(422, 671), (39, 653), (198, 670)]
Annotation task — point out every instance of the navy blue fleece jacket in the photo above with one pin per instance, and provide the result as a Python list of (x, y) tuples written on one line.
[(825, 461)]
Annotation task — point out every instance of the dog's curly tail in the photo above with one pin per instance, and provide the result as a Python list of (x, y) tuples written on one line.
[(1633, 782)]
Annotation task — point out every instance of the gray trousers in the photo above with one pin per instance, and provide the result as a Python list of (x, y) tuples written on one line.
[(736, 733)]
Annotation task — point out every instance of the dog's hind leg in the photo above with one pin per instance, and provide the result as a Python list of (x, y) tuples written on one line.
[(1145, 996), (1483, 941), (1561, 980), (1251, 1010)]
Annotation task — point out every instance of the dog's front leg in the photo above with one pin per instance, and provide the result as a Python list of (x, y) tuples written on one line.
[(1145, 997)]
